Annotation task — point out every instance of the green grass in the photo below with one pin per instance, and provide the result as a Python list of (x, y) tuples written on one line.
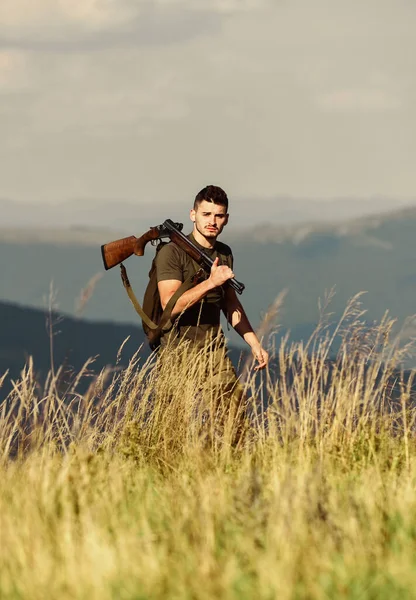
[(123, 493)]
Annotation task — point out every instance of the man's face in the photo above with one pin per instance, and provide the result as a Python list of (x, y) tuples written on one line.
[(209, 219)]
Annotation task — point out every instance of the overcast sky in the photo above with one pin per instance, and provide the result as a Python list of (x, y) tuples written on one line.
[(153, 99)]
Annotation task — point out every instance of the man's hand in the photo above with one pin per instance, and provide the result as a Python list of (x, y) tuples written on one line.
[(261, 356), (219, 274)]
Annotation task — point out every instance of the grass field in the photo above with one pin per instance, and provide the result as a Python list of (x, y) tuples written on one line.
[(130, 492)]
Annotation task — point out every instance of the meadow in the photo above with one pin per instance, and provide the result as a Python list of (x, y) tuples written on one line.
[(132, 491)]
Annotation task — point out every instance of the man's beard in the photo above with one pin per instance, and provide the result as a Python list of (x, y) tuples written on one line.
[(209, 235)]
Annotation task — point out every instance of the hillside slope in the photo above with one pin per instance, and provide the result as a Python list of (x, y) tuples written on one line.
[(25, 332), (121, 214), (374, 255)]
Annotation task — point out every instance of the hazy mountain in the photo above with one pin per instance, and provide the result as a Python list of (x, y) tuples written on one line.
[(26, 332), (130, 216), (373, 254)]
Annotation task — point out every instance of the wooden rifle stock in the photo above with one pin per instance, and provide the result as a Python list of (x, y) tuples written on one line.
[(116, 252)]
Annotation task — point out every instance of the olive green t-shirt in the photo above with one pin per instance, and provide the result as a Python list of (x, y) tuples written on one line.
[(201, 320)]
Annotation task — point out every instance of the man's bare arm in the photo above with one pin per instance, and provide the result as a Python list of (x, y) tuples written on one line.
[(168, 288), (237, 317), (218, 276)]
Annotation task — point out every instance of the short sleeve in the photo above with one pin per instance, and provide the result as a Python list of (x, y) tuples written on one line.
[(169, 264)]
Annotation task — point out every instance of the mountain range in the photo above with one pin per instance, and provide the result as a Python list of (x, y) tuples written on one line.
[(62, 269), (53, 340), (120, 215), (374, 254)]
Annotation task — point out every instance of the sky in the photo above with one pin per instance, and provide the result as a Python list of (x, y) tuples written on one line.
[(150, 100)]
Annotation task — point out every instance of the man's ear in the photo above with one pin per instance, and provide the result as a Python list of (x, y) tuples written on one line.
[(226, 219), (192, 215)]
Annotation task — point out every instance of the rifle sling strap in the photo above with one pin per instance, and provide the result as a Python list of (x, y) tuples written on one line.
[(165, 321)]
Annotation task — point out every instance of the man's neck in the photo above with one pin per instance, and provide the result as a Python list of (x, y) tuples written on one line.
[(202, 240)]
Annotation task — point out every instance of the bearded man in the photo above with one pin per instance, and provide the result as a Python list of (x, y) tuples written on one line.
[(198, 310), (196, 314)]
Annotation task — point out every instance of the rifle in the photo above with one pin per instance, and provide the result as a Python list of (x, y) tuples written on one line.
[(116, 252)]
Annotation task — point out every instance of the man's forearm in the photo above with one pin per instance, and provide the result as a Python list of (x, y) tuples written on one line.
[(236, 315), (243, 327), (238, 319)]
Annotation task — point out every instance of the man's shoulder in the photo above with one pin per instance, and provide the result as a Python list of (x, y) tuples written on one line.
[(169, 249), (169, 262)]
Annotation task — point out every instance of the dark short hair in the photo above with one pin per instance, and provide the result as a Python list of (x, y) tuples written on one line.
[(211, 193)]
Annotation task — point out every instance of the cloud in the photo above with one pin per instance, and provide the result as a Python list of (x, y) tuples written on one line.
[(359, 100), (12, 70), (75, 25), (151, 98)]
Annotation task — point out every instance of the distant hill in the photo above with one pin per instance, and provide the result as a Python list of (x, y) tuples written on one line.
[(375, 254), (123, 215), (296, 233), (25, 332)]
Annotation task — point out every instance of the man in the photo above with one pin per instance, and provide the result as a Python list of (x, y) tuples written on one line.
[(198, 310), (196, 314)]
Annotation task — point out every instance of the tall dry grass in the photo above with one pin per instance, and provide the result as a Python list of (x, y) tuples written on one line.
[(131, 491)]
